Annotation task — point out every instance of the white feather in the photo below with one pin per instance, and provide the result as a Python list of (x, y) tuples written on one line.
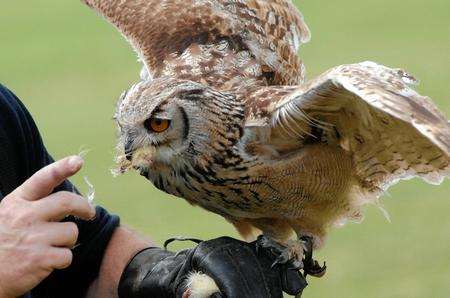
[(200, 285)]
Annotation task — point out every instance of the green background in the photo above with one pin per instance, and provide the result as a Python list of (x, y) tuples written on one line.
[(69, 67)]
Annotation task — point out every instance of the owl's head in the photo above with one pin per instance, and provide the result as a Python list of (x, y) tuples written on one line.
[(161, 122)]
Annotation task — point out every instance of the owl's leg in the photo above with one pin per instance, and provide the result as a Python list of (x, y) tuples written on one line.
[(247, 231), (279, 238), (297, 254), (287, 253)]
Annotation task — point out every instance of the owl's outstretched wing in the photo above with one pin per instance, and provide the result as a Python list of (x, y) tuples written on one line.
[(369, 110), (272, 30)]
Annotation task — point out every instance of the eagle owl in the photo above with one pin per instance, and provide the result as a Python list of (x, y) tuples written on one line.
[(224, 118)]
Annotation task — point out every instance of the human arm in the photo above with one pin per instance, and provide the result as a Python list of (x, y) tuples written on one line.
[(124, 244), (22, 154), (33, 241)]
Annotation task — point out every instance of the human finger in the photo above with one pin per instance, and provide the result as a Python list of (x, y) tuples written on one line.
[(58, 234), (57, 206), (58, 258), (45, 180)]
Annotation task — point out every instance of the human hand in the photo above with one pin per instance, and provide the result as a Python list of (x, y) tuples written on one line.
[(229, 268), (33, 242)]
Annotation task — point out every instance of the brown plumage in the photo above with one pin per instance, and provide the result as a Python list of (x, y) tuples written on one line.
[(250, 140)]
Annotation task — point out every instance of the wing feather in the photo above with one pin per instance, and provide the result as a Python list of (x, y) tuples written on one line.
[(391, 131), (158, 29)]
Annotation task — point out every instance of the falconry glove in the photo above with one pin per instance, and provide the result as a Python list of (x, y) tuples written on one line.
[(239, 269)]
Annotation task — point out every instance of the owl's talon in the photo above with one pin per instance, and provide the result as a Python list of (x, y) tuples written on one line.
[(311, 266), (316, 270)]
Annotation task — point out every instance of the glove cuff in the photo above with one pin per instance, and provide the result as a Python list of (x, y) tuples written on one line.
[(140, 265)]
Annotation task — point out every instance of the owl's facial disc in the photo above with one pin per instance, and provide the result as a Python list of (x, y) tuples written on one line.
[(153, 143), (158, 122)]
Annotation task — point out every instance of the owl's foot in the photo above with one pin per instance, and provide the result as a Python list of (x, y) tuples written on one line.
[(290, 253), (311, 266), (297, 254)]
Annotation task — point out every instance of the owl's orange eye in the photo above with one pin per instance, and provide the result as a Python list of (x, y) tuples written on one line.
[(157, 125)]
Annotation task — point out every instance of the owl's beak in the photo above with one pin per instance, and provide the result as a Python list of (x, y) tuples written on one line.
[(140, 159)]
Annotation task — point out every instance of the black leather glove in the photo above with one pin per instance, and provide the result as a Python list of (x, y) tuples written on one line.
[(239, 269)]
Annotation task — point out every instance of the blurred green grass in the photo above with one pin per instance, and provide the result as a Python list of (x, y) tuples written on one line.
[(69, 67)]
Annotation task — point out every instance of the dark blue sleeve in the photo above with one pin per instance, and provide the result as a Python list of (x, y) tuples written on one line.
[(22, 154)]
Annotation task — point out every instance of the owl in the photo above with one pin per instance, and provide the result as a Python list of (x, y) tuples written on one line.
[(224, 118)]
